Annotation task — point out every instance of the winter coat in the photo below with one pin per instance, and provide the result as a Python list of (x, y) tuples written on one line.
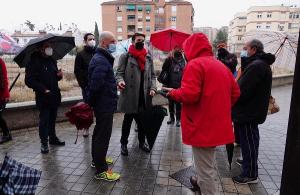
[(175, 71), (130, 73), (102, 86), (4, 93), (81, 66), (41, 75), (208, 91), (255, 84)]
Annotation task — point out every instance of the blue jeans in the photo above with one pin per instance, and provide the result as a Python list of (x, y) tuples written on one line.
[(84, 94), (249, 140), (47, 123)]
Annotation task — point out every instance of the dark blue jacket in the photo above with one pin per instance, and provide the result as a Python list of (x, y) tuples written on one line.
[(41, 75), (102, 86)]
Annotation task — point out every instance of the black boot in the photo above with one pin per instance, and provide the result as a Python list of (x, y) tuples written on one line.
[(56, 142), (124, 150), (5, 138), (144, 147), (44, 148), (171, 119), (178, 123)]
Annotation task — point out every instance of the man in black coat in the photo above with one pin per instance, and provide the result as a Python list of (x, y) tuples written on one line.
[(252, 107), (81, 66), (102, 97), (42, 75)]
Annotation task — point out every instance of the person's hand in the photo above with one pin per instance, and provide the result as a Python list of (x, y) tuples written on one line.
[(152, 92), (59, 73), (167, 89), (47, 91), (121, 85)]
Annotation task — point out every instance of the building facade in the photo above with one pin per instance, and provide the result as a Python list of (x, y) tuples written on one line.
[(273, 18), (126, 17), (210, 32)]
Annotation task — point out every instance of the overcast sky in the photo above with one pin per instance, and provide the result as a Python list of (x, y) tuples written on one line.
[(84, 13)]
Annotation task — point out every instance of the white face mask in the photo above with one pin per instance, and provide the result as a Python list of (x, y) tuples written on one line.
[(91, 43), (49, 51)]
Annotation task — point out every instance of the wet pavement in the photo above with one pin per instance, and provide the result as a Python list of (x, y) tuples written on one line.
[(66, 170)]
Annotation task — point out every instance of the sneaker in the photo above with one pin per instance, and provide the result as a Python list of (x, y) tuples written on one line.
[(239, 162), (144, 147), (85, 133), (244, 180), (107, 176), (109, 161), (177, 123), (44, 149), (5, 139), (170, 121), (56, 142), (194, 183), (124, 150)]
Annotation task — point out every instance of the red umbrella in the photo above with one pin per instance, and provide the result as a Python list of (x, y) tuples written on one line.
[(168, 39), (80, 115)]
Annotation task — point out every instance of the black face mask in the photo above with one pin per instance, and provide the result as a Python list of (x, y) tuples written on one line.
[(177, 54), (139, 45)]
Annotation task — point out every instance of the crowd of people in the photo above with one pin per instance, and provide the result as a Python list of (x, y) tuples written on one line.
[(213, 102)]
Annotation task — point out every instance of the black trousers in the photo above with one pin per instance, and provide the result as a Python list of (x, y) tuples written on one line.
[(249, 138), (174, 108), (100, 139), (47, 123), (3, 126), (128, 118)]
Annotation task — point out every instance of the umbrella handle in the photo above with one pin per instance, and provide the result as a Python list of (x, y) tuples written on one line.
[(14, 82), (76, 136)]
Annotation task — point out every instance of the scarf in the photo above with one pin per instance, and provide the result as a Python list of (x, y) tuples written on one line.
[(1, 74), (139, 55)]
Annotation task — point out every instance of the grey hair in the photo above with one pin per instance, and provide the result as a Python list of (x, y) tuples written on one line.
[(105, 35), (255, 43)]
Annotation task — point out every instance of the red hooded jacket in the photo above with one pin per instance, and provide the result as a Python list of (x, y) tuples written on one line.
[(4, 93), (208, 91)]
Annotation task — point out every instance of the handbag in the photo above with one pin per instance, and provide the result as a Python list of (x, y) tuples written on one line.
[(273, 106)]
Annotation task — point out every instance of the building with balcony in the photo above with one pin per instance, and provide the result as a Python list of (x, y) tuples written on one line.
[(126, 17)]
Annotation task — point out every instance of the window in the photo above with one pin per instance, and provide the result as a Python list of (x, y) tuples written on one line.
[(119, 8), (120, 38), (147, 18), (269, 15), (140, 8), (293, 25), (280, 27), (174, 8), (259, 15), (268, 27), (239, 38), (119, 29), (173, 19), (148, 8), (258, 26), (240, 30), (119, 18), (131, 7), (131, 18), (173, 26), (140, 29), (140, 18), (131, 28), (148, 28)]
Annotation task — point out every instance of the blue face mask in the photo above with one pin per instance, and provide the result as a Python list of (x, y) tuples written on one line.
[(244, 53), (112, 48)]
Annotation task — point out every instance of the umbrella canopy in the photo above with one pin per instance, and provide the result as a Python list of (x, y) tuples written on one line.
[(282, 44), (151, 119), (8, 45), (61, 46), (229, 149), (166, 40)]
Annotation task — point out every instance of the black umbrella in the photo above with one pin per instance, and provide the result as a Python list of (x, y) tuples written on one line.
[(151, 120), (229, 149), (61, 46)]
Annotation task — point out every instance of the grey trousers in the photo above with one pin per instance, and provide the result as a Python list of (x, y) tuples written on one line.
[(204, 160)]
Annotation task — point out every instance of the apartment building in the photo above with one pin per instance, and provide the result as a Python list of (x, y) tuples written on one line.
[(210, 32), (126, 17), (273, 18)]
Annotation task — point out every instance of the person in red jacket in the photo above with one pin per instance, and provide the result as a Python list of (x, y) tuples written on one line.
[(4, 97), (208, 91)]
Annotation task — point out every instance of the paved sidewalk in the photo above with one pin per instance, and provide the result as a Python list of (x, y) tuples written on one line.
[(66, 170)]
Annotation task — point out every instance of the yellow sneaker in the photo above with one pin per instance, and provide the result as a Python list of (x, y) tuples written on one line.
[(108, 176), (109, 160)]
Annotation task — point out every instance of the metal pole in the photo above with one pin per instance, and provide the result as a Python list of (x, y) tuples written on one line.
[(290, 180)]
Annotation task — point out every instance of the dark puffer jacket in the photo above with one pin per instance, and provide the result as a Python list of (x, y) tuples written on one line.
[(175, 71), (255, 85)]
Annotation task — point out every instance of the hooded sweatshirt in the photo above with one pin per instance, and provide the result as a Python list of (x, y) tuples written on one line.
[(255, 85), (208, 91)]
